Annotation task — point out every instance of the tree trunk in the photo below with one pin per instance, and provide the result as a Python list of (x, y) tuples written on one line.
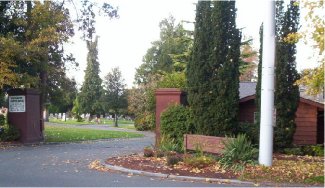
[(115, 121)]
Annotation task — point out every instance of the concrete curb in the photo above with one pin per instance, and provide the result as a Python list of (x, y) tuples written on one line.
[(174, 177)]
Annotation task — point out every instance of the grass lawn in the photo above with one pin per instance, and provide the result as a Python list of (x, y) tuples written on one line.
[(69, 134), (74, 122)]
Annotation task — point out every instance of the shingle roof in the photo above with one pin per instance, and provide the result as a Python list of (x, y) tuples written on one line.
[(248, 89)]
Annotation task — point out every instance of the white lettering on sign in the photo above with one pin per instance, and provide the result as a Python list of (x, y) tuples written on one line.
[(17, 103)]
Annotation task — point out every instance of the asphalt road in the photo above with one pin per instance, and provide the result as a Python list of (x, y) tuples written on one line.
[(66, 165)]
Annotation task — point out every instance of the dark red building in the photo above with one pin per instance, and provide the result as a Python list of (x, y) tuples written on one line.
[(309, 115)]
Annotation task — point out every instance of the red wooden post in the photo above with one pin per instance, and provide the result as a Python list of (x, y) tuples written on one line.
[(165, 97)]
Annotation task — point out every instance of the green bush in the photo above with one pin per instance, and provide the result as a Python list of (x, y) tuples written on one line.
[(311, 150), (9, 133), (318, 151), (176, 121), (238, 152), (167, 144), (293, 151), (144, 122), (2, 120), (173, 80), (251, 130)]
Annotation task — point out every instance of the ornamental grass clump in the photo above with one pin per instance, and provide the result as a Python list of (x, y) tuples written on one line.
[(237, 153)]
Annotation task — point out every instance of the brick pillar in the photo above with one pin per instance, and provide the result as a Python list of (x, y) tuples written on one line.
[(165, 97), (25, 114)]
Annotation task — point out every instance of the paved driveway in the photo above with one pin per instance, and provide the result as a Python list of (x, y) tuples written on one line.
[(67, 165)]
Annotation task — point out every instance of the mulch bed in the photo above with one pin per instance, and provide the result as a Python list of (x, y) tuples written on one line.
[(158, 165)]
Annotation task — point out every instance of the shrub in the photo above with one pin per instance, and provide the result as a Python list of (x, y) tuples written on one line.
[(293, 151), (144, 122), (167, 144), (312, 150), (148, 152), (251, 130), (176, 121), (172, 158), (173, 80), (238, 152), (199, 161), (159, 153), (9, 133), (2, 120)]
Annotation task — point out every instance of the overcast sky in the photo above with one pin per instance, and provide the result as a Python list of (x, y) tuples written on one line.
[(124, 41)]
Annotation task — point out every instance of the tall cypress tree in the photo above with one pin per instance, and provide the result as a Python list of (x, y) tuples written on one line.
[(91, 91), (224, 70), (259, 77), (286, 92), (198, 68)]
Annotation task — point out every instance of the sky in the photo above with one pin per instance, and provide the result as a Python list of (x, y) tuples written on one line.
[(124, 41)]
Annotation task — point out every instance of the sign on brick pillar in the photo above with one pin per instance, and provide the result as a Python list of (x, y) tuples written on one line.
[(164, 98), (25, 114)]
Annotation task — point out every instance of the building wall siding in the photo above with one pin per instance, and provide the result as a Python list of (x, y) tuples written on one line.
[(306, 121), (306, 125)]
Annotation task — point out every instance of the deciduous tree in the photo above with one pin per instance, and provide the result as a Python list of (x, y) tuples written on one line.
[(116, 95)]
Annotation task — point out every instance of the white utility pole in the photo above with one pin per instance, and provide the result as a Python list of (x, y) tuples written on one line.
[(267, 85)]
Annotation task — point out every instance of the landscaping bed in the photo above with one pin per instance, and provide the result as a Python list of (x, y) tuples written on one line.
[(286, 169)]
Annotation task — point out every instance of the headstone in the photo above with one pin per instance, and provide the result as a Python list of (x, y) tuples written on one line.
[(63, 117)]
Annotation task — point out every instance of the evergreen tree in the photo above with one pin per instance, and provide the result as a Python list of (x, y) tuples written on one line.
[(213, 73), (198, 68), (91, 91), (259, 78), (286, 92), (224, 70)]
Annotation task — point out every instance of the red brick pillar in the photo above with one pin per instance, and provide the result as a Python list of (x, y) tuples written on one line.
[(25, 114), (165, 97)]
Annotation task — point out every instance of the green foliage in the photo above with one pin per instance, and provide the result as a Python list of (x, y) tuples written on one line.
[(199, 161), (251, 130), (115, 92), (9, 133), (259, 79), (213, 72), (286, 91), (311, 150), (318, 150), (293, 151), (91, 93), (167, 144), (2, 120), (316, 179), (144, 122), (166, 55), (31, 39), (173, 80), (238, 152), (176, 121)]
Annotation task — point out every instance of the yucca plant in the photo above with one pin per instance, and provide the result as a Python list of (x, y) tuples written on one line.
[(238, 152)]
